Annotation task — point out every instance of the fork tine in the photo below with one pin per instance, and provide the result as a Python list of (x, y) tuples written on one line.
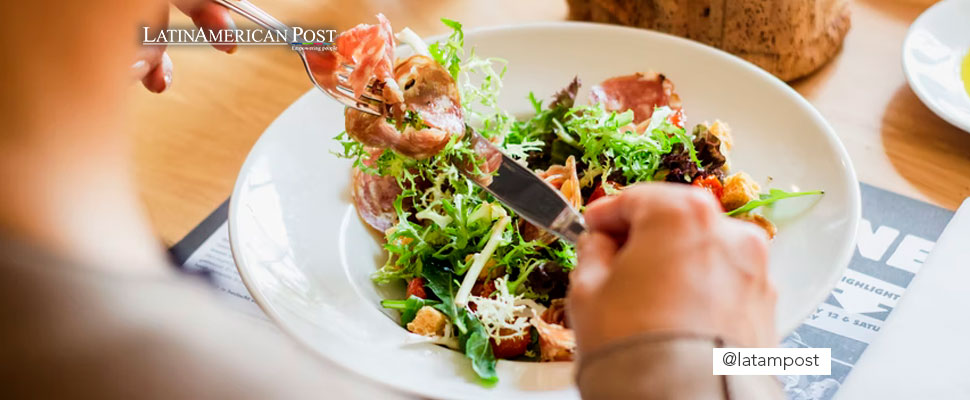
[(348, 100), (345, 80), (345, 95), (350, 92)]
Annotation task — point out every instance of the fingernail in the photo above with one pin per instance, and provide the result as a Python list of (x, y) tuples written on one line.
[(167, 68), (231, 25), (139, 69)]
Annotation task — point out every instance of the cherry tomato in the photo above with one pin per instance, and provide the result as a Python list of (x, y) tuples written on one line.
[(677, 118), (483, 288), (511, 347), (599, 192), (416, 288), (712, 184)]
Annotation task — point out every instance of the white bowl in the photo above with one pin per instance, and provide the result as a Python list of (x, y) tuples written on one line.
[(933, 50), (306, 257)]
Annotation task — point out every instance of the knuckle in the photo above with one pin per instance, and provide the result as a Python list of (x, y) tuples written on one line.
[(754, 238), (640, 194), (579, 291), (754, 244), (701, 204)]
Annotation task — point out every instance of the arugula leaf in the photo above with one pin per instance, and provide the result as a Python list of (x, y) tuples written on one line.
[(441, 283), (408, 308), (769, 198), (472, 338), (477, 348)]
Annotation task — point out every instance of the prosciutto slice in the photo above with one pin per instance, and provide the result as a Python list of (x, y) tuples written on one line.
[(431, 94), (638, 92), (419, 95), (369, 50)]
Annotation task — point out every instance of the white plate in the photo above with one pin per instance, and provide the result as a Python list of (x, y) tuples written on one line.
[(934, 47), (306, 257)]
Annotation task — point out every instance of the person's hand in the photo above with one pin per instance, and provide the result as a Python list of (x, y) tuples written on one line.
[(662, 258), (152, 65)]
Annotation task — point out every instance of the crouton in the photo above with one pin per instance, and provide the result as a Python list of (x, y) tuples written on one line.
[(428, 322), (739, 189)]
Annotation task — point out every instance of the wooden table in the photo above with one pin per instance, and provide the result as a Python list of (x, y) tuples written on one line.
[(190, 141)]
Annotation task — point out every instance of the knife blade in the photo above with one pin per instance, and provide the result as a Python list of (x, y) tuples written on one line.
[(523, 191)]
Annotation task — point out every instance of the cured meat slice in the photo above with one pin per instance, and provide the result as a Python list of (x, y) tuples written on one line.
[(431, 94), (369, 50), (374, 197), (488, 159), (638, 92), (375, 131), (565, 179), (419, 95), (556, 342)]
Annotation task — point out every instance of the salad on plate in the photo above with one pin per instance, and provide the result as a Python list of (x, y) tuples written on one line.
[(480, 279)]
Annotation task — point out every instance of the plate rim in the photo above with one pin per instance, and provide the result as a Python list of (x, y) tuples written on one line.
[(853, 191), (921, 92)]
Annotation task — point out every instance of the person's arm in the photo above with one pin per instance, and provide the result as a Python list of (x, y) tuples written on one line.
[(64, 152), (663, 278)]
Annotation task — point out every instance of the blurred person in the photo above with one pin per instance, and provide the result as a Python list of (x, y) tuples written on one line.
[(90, 306)]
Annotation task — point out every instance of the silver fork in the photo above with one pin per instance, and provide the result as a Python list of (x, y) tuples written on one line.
[(341, 92)]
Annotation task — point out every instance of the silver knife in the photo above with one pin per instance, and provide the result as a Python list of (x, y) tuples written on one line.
[(521, 190)]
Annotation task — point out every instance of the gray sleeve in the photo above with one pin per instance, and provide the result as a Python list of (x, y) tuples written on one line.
[(665, 367)]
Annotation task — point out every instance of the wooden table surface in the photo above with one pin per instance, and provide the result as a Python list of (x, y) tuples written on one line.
[(190, 141)]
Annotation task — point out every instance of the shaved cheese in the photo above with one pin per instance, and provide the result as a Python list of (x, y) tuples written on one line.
[(501, 311)]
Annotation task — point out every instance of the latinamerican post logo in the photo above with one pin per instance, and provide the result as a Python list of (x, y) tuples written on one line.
[(315, 39)]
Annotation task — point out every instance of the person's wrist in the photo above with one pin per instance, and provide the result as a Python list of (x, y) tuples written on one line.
[(605, 329)]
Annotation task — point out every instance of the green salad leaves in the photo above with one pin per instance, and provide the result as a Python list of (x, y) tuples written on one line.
[(448, 54), (472, 338)]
